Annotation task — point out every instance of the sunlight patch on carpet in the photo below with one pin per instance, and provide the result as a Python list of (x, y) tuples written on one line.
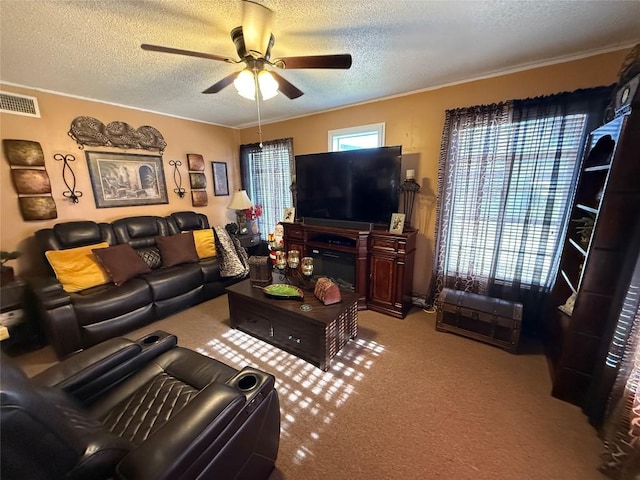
[(309, 397)]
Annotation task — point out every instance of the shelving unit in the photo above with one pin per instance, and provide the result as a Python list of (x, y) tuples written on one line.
[(594, 265)]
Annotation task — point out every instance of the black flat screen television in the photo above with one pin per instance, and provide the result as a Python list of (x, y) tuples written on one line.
[(353, 186)]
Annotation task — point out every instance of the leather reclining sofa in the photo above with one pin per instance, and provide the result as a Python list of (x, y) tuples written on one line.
[(143, 409), (77, 320)]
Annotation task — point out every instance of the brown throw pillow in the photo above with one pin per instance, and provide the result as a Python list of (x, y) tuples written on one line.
[(177, 249), (121, 262)]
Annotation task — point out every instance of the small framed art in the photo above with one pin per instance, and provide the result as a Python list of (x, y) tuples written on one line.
[(397, 223), (220, 180), (289, 215)]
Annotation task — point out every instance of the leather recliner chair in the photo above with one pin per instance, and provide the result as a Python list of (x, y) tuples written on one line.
[(144, 409)]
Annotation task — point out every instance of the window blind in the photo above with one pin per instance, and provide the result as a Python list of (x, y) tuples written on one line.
[(511, 184), (266, 174)]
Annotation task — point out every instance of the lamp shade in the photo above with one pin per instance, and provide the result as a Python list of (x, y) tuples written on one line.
[(245, 84), (240, 201), (268, 85)]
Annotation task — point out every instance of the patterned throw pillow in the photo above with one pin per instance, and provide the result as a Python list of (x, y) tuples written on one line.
[(150, 256), (230, 263)]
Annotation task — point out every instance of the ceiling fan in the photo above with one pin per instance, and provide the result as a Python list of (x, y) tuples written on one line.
[(253, 41)]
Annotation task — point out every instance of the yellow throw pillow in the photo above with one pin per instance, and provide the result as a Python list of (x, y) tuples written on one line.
[(205, 245), (78, 268)]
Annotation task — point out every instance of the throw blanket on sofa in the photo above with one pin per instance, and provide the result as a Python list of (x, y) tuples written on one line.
[(232, 256)]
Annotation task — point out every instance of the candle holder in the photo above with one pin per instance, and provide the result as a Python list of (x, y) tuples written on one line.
[(295, 272), (409, 189)]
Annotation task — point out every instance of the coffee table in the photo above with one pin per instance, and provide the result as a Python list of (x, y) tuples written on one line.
[(315, 335)]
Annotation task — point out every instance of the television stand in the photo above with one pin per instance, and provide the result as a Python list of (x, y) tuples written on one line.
[(379, 264)]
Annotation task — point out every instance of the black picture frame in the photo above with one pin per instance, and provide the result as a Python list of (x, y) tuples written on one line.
[(126, 179), (220, 179)]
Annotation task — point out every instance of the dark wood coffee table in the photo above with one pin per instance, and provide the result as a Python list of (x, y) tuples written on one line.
[(315, 335)]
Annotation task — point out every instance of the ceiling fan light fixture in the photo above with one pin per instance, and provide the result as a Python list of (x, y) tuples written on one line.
[(245, 84), (268, 85)]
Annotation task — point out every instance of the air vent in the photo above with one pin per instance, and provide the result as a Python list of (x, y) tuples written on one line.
[(19, 104)]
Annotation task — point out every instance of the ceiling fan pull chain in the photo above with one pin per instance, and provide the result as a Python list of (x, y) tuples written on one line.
[(255, 79)]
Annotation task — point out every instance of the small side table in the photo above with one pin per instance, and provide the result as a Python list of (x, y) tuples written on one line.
[(17, 318), (251, 242)]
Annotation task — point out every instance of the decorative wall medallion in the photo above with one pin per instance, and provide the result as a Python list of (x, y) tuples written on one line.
[(30, 179), (196, 162), (91, 131), (198, 180), (23, 153), (199, 198), (38, 208)]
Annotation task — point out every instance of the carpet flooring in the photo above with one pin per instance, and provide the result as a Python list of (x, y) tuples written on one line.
[(402, 401)]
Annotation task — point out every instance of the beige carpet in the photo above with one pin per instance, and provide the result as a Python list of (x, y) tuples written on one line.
[(402, 401)]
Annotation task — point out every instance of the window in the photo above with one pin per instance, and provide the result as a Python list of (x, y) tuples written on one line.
[(266, 176), (506, 179), (509, 227), (364, 136)]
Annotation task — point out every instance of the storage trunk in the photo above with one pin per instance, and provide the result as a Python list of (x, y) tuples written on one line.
[(487, 319), (260, 270)]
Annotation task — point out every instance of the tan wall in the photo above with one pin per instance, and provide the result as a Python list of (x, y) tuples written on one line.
[(57, 112), (415, 121)]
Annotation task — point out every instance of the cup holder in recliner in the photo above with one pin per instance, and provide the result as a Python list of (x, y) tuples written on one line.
[(150, 339), (247, 382)]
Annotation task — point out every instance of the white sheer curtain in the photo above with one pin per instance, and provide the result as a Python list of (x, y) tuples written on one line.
[(266, 176)]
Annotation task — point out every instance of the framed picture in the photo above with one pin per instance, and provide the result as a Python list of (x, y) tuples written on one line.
[(289, 215), (125, 179), (397, 223), (220, 180)]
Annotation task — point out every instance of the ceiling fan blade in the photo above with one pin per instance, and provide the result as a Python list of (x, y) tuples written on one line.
[(287, 88), (225, 82), (256, 26), (340, 61), (189, 53)]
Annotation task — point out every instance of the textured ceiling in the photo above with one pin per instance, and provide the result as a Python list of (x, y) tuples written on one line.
[(91, 49)]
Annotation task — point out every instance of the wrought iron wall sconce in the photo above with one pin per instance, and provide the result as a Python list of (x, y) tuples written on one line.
[(177, 178), (72, 194), (409, 189)]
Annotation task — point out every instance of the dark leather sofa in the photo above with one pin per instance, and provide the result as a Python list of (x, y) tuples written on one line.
[(143, 409), (74, 321)]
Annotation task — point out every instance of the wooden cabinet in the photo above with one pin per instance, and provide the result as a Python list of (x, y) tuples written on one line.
[(379, 264), (600, 248), (294, 238), (391, 259)]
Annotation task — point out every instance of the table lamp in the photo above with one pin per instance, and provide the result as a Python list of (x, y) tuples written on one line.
[(240, 202)]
